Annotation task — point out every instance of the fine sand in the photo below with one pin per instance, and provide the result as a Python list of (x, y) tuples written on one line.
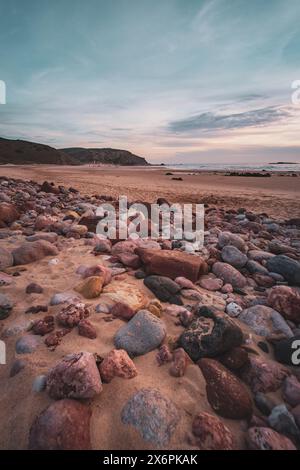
[(278, 196)]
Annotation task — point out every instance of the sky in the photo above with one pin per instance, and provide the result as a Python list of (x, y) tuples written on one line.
[(181, 81)]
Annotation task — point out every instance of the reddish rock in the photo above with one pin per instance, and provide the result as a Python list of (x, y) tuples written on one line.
[(210, 283), (45, 326), (234, 359), (129, 259), (121, 310), (72, 314), (64, 425), (6, 259), (90, 221), (37, 309), (184, 283), (29, 252), (291, 391), (285, 300), (75, 376), (260, 438), (180, 362), (55, 338), (117, 364), (164, 355), (34, 288), (47, 187), (86, 329), (91, 287), (263, 375), (98, 270), (229, 274), (211, 433), (263, 280), (44, 221), (227, 395), (127, 246), (172, 264), (8, 213)]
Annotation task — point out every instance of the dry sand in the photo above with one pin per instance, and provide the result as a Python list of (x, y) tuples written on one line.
[(277, 196)]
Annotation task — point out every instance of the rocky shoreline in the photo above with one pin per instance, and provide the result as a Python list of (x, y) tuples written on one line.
[(79, 314)]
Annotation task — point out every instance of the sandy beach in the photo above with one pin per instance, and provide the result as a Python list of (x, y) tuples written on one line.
[(47, 250), (277, 196)]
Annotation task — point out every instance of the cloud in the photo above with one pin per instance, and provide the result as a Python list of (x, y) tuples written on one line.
[(214, 121)]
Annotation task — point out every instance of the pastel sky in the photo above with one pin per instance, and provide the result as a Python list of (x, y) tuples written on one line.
[(170, 80)]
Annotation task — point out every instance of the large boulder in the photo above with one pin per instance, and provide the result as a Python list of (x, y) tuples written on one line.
[(143, 333), (287, 301), (229, 274), (75, 376), (64, 425), (227, 395), (287, 267), (153, 415), (210, 334), (29, 252), (263, 375), (265, 321), (172, 263)]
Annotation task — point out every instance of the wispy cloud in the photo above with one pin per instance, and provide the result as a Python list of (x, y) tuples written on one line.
[(214, 121)]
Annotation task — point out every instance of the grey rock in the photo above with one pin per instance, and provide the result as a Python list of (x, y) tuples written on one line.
[(68, 297), (27, 344), (164, 288), (254, 267), (39, 383), (153, 415), (143, 333), (229, 274), (5, 306), (283, 422), (265, 321), (287, 267), (233, 256)]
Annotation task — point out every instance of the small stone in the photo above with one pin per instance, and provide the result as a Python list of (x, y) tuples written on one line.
[(27, 344), (228, 238), (34, 288), (264, 403), (180, 362), (117, 364), (64, 297), (164, 289), (16, 367), (72, 314), (55, 338), (209, 283), (164, 355), (75, 376), (233, 309), (211, 433), (153, 415), (86, 329), (121, 310), (39, 383), (6, 306), (64, 425), (91, 287), (44, 326)]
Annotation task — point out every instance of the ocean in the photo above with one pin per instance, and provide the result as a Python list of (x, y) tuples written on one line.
[(292, 167)]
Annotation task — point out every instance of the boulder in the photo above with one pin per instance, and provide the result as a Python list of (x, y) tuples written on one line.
[(117, 364), (143, 333), (172, 264), (29, 252), (229, 274), (75, 376), (287, 267), (154, 416), (227, 395), (265, 321), (233, 256), (64, 425)]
